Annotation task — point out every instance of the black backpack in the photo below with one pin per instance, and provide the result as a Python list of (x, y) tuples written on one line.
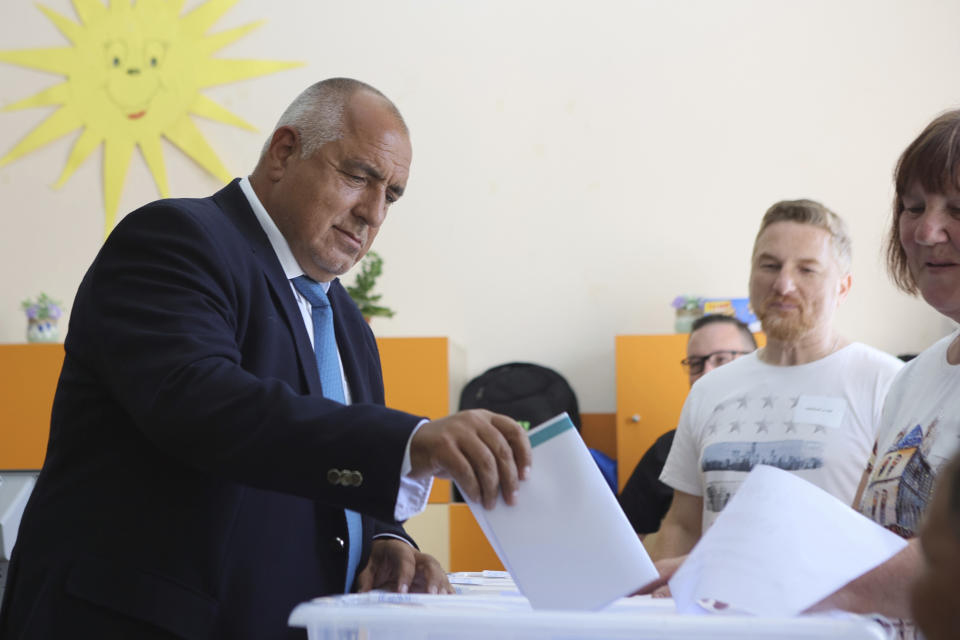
[(528, 393)]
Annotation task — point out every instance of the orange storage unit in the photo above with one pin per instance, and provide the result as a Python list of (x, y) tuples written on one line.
[(651, 388), (28, 380), (469, 549), (416, 375)]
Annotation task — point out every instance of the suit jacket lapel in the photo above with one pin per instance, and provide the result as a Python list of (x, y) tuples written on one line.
[(233, 203)]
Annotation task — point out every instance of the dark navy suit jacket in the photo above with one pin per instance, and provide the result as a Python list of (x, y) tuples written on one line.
[(186, 490)]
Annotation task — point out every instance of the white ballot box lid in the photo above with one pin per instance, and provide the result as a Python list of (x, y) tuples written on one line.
[(388, 616)]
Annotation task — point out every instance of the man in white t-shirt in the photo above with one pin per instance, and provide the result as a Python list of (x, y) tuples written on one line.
[(808, 402)]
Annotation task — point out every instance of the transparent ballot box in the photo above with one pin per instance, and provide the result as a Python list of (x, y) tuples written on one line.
[(379, 616)]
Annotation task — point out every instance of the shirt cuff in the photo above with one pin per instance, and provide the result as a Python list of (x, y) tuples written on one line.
[(380, 536), (414, 494)]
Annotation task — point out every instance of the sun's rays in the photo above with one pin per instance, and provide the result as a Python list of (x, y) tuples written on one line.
[(133, 75), (82, 148)]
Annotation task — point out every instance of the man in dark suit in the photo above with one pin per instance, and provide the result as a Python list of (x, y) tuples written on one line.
[(198, 472)]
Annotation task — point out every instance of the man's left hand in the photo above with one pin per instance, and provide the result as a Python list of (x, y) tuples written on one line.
[(395, 565)]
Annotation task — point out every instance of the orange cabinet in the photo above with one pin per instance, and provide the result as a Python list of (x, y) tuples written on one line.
[(651, 388), (469, 549), (28, 380)]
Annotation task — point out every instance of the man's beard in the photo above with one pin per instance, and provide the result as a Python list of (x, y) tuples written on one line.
[(788, 326)]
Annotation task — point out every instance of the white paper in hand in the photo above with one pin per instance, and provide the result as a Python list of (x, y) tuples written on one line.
[(780, 546), (566, 541)]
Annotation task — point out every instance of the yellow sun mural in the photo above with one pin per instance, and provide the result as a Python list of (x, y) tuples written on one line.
[(133, 74)]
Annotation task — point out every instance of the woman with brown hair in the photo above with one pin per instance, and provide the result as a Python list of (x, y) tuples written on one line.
[(920, 429)]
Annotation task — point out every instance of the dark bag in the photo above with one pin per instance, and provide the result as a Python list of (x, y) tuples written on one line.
[(528, 393)]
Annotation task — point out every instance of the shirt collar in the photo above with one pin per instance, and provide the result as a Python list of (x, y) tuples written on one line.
[(291, 268)]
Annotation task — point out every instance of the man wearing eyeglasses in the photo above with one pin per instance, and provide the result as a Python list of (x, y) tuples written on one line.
[(714, 341), (808, 402)]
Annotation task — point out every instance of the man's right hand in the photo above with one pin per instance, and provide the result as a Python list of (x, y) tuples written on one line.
[(483, 452), (666, 568)]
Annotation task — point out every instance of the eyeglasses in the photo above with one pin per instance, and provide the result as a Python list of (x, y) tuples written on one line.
[(696, 364)]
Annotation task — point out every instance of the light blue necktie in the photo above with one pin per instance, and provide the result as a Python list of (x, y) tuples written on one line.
[(331, 383)]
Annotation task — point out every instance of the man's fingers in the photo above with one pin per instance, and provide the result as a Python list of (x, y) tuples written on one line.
[(505, 466), (364, 580), (505, 454), (518, 441), (406, 569), (461, 470), (652, 586), (661, 592), (486, 467), (485, 453), (470, 462), (666, 567), (393, 565), (430, 576)]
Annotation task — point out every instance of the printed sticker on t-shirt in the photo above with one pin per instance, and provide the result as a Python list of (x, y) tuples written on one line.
[(824, 410)]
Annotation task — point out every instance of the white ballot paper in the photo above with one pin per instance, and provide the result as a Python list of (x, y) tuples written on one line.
[(781, 545), (566, 541)]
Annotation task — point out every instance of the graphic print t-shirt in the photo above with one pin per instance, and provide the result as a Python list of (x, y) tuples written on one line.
[(817, 420), (919, 432)]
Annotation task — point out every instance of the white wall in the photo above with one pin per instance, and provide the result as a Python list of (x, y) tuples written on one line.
[(576, 165)]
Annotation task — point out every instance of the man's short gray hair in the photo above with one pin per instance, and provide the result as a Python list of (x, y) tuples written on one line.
[(815, 214), (317, 113)]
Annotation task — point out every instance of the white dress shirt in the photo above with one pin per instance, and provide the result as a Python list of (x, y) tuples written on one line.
[(413, 494)]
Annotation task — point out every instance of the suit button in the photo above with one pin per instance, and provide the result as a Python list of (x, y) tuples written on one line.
[(356, 478), (338, 544), (333, 476)]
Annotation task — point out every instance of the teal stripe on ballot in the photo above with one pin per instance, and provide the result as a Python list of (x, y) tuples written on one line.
[(550, 431)]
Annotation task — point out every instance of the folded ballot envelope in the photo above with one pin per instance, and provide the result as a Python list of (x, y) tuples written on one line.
[(566, 542)]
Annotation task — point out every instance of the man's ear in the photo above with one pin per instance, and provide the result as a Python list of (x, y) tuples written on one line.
[(284, 145), (843, 287)]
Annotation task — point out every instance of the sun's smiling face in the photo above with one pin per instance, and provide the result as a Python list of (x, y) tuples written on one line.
[(133, 75), (124, 70), (140, 71)]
